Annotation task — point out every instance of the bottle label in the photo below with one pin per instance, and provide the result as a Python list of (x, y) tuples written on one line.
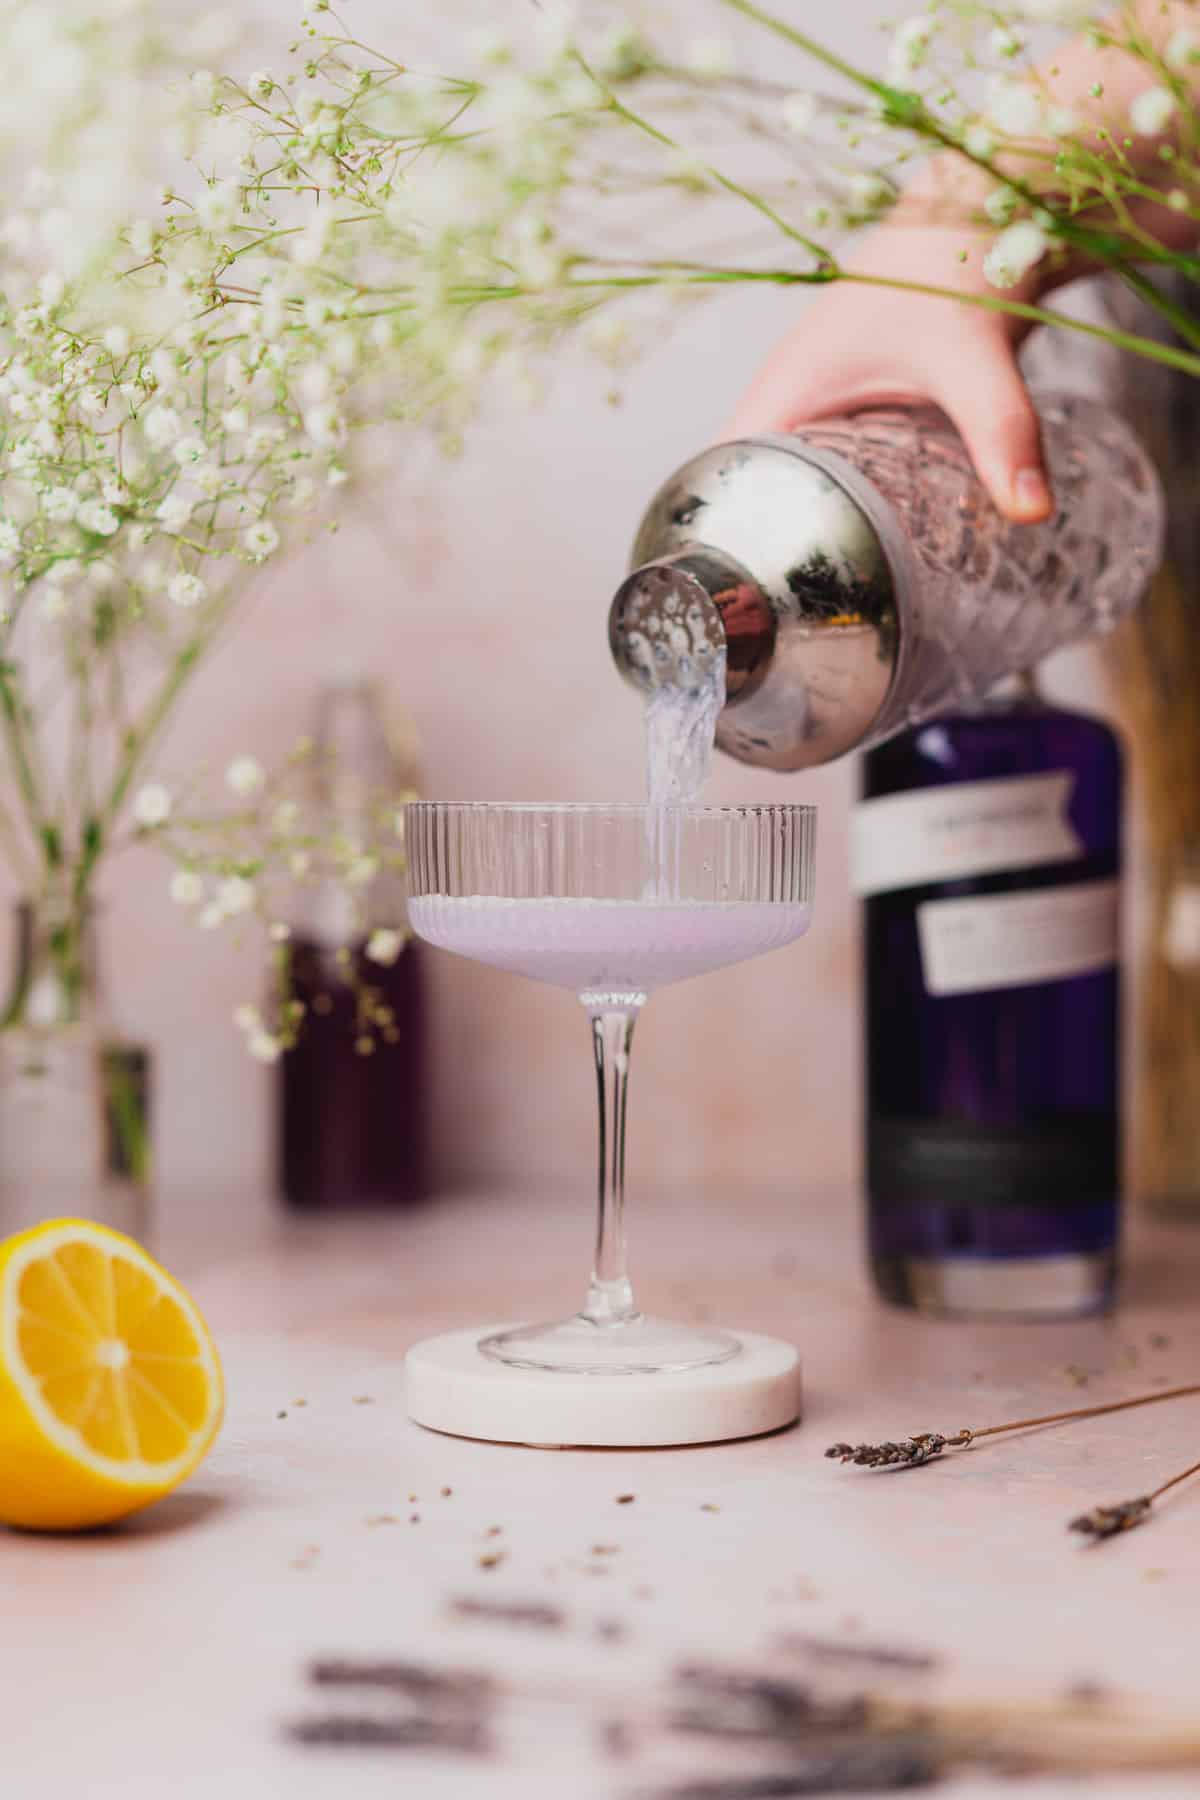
[(1051, 1164), (970, 828), (1010, 940)]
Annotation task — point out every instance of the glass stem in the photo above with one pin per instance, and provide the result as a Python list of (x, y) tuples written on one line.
[(610, 1294)]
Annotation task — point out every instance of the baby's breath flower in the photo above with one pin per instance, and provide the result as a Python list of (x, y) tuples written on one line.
[(261, 539), (1014, 108), (709, 58), (868, 194), (909, 46), (236, 895), (164, 367), (1061, 121), (1152, 111), (361, 870), (60, 504), (1068, 13), (186, 889), (1182, 49), (980, 142), (264, 1046), (244, 776), (247, 1018), (116, 342), (262, 440), (324, 424), (152, 806), (188, 449), (1015, 252), (185, 589), (162, 426), (384, 946), (65, 572), (47, 437), (1000, 205), (216, 204), (800, 112), (1003, 41), (93, 515), (260, 85), (624, 54)]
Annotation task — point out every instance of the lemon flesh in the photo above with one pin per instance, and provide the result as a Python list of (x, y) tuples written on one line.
[(110, 1386)]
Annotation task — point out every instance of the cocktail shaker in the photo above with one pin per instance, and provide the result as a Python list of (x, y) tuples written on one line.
[(860, 579)]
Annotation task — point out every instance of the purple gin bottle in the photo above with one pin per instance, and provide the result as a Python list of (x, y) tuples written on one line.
[(987, 848)]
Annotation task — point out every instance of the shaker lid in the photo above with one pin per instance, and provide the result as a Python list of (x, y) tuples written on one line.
[(796, 524)]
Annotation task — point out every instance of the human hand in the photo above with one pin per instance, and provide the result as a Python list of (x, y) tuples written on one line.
[(857, 345)]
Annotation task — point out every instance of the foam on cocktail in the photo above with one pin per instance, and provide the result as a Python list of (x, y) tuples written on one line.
[(606, 946)]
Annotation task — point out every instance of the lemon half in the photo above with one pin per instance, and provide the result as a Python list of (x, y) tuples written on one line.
[(110, 1387)]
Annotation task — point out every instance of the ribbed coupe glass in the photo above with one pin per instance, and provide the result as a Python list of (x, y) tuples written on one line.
[(610, 902)]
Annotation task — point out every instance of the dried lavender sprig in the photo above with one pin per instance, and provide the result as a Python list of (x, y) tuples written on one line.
[(820, 1734), (908, 1453), (837, 1650), (717, 1701), (466, 1737), (508, 1612), (864, 1766), (417, 1681), (923, 1446), (1109, 1521)]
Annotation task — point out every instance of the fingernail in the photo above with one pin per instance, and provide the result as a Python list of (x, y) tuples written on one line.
[(1030, 492)]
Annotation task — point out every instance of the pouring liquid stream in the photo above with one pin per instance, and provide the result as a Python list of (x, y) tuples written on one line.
[(681, 725)]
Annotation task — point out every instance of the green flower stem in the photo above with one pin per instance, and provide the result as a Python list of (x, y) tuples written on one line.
[(1103, 247), (127, 1117), (617, 106), (1041, 315), (830, 272), (1182, 321), (13, 724), (836, 64), (156, 713)]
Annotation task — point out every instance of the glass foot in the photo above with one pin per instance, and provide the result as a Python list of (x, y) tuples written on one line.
[(634, 1346)]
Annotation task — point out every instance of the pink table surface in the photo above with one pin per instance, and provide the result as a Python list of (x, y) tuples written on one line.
[(164, 1657)]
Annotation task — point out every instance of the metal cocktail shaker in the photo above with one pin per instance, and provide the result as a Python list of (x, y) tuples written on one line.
[(860, 579)]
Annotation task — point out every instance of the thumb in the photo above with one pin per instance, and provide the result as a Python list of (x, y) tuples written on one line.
[(990, 405)]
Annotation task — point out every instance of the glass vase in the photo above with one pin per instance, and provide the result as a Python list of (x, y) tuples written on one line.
[(74, 1097)]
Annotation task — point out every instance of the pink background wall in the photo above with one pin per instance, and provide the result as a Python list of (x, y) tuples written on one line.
[(478, 590)]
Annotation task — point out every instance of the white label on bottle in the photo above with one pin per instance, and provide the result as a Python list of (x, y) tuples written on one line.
[(972, 828), (1010, 940)]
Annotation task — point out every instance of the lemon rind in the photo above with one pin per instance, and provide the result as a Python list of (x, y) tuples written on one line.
[(128, 1472)]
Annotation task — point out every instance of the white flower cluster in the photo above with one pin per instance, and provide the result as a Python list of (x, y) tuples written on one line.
[(209, 285)]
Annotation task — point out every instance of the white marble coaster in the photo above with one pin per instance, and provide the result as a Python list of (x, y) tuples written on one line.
[(451, 1387)]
